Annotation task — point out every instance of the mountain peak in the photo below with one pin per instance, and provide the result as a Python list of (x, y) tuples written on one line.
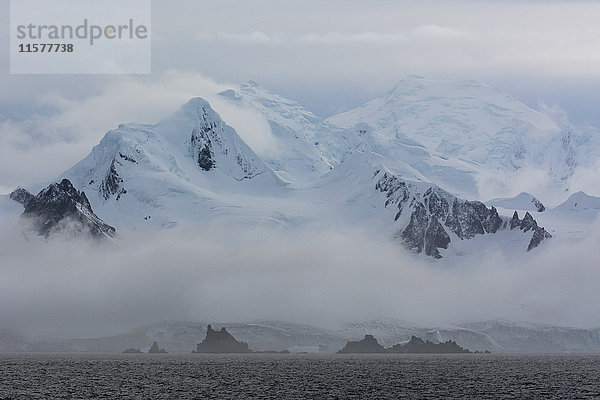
[(199, 109), (461, 127), (60, 208), (580, 201), (412, 84)]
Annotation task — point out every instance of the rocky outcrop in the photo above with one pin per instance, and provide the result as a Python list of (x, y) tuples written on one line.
[(417, 346), (60, 208), (435, 238), (220, 342), (155, 350), (538, 205), (528, 224), (368, 345), (21, 195), (209, 141), (434, 215), (201, 146), (111, 184), (132, 350)]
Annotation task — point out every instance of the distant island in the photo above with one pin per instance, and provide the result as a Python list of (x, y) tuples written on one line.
[(220, 342), (368, 345), (132, 350), (153, 350), (415, 345)]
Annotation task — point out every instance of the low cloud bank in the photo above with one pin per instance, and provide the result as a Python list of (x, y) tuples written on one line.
[(78, 289)]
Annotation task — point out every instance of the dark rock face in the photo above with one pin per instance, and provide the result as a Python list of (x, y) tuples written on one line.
[(209, 141), (434, 214), (528, 224), (205, 160), (202, 143), (538, 205), (515, 222), (418, 346), (435, 238), (132, 350), (62, 208), (127, 158), (21, 195), (368, 345), (414, 233), (111, 184), (155, 350), (220, 342)]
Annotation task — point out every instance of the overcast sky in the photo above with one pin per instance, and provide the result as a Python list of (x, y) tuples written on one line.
[(329, 55)]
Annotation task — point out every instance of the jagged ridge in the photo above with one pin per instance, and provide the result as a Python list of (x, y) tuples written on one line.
[(60, 208), (432, 212)]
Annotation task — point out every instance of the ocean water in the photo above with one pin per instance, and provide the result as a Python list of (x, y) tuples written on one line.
[(282, 376)]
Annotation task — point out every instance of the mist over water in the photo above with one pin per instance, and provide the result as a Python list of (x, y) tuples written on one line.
[(313, 276)]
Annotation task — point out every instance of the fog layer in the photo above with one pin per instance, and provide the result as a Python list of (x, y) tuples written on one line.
[(77, 289)]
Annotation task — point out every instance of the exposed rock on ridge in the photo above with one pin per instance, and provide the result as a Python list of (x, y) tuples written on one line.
[(60, 208), (21, 195), (529, 224), (433, 215)]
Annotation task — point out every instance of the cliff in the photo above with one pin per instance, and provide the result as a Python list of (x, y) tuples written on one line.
[(220, 342), (368, 345)]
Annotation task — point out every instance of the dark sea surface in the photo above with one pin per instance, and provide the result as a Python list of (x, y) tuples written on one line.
[(282, 376)]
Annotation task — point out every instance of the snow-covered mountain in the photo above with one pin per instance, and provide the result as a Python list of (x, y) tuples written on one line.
[(472, 139), (409, 165), (435, 218), (580, 201), (180, 168), (468, 120)]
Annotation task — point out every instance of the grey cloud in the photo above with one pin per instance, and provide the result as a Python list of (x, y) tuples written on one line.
[(314, 276)]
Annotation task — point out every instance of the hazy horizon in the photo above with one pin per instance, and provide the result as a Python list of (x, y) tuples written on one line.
[(330, 57)]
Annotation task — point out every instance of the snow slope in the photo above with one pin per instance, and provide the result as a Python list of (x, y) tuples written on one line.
[(522, 201), (301, 153), (475, 140), (573, 220), (466, 119), (579, 201)]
